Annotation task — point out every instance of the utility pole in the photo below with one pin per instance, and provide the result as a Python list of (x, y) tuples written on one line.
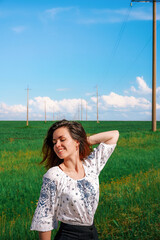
[(153, 64), (78, 112), (97, 106), (45, 110), (86, 110), (154, 71), (27, 103), (81, 110)]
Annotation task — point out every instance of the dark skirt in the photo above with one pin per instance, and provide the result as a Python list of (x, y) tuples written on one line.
[(75, 232)]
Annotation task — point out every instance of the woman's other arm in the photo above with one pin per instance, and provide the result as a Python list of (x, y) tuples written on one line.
[(45, 235), (109, 137)]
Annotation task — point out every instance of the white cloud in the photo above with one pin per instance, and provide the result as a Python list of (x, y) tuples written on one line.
[(133, 89), (94, 99), (118, 101), (146, 113), (157, 106), (143, 13), (18, 29), (69, 107), (126, 92), (102, 16), (142, 87), (129, 107), (158, 91), (109, 15), (111, 107), (88, 21), (90, 93), (118, 107), (5, 109), (64, 105), (54, 11), (38, 104)]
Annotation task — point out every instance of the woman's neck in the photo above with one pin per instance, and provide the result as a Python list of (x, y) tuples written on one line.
[(71, 165)]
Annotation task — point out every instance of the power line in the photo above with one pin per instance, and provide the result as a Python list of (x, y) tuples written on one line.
[(140, 52), (119, 37), (120, 34), (137, 57)]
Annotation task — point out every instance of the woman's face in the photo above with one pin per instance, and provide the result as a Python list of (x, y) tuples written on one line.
[(63, 144)]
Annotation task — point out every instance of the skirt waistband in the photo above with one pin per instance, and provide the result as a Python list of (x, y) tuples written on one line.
[(77, 228)]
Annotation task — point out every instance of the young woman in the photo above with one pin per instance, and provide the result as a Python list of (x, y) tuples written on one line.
[(70, 190)]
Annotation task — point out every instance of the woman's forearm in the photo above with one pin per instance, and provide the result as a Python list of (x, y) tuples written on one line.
[(109, 137), (45, 235)]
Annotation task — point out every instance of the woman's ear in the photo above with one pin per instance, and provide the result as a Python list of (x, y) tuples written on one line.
[(77, 144)]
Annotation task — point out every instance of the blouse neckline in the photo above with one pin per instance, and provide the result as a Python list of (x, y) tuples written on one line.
[(66, 175)]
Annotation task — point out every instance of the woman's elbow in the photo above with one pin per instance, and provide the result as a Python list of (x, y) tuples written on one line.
[(116, 136), (113, 137)]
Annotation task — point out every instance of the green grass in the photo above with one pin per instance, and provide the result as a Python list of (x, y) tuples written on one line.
[(129, 184)]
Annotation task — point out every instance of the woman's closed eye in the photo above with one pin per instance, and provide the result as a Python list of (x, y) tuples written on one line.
[(61, 140)]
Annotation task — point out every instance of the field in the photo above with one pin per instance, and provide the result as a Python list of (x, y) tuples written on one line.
[(129, 206)]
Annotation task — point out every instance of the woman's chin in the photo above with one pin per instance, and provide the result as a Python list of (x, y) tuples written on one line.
[(61, 156)]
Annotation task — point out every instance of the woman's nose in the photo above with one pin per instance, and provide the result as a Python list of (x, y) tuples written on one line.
[(58, 143)]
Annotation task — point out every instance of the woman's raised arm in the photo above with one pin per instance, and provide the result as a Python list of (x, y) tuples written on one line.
[(109, 137)]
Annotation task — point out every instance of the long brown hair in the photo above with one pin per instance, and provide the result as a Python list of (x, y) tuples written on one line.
[(76, 131)]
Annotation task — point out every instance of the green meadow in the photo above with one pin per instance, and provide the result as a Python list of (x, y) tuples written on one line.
[(129, 206)]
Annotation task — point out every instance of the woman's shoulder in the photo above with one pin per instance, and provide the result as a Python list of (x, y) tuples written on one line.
[(52, 174), (100, 148), (106, 146)]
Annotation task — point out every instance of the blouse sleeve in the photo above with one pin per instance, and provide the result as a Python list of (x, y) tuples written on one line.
[(100, 155), (44, 218)]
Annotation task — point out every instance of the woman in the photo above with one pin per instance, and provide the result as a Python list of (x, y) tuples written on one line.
[(70, 190)]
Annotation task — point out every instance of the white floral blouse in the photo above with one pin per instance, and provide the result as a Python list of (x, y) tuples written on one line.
[(67, 200)]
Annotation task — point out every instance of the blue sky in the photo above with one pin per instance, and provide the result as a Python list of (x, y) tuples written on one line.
[(64, 50)]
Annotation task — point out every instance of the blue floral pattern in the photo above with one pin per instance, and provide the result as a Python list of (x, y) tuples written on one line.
[(48, 190), (44, 206), (88, 194), (99, 157)]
